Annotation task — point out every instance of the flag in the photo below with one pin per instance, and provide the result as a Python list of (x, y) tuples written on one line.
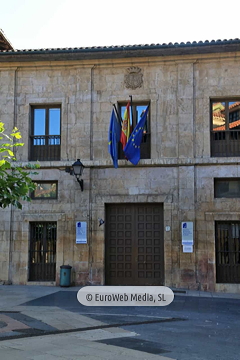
[(125, 126), (113, 138), (132, 149)]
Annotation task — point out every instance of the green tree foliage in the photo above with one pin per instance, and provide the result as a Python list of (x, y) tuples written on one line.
[(15, 182)]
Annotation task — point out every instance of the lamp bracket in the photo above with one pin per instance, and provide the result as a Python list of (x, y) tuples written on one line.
[(80, 181), (69, 170)]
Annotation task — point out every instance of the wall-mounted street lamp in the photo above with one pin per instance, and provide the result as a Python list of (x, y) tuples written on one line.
[(77, 170)]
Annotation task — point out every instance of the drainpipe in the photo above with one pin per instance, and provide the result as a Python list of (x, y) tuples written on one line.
[(11, 207), (90, 256), (195, 176), (67, 142)]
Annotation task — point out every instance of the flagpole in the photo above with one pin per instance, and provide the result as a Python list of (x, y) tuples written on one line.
[(131, 109), (118, 116)]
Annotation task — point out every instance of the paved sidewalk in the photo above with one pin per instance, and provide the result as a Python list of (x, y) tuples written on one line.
[(73, 346), (18, 319), (51, 325)]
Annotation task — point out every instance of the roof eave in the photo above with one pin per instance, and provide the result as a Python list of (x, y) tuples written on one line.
[(6, 43), (120, 51)]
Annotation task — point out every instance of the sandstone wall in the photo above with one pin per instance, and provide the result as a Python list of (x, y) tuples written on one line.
[(180, 172)]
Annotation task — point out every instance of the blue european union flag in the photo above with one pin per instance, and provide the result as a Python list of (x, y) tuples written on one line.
[(113, 138), (132, 148)]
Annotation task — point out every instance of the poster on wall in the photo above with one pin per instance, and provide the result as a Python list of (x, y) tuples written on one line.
[(187, 233), (187, 248), (81, 232)]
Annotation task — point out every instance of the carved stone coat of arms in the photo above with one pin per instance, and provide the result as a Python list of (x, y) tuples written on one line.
[(134, 78)]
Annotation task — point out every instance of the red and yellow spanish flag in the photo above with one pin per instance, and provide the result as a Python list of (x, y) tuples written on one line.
[(125, 133)]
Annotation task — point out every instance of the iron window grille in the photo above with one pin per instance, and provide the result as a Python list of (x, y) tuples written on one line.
[(228, 252), (42, 251)]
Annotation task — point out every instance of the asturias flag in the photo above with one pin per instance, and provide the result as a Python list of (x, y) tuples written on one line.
[(132, 149), (125, 126), (113, 138)]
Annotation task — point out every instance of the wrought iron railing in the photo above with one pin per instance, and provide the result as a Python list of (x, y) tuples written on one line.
[(45, 147), (225, 143), (145, 148)]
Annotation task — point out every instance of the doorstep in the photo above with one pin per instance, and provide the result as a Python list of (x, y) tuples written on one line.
[(42, 283)]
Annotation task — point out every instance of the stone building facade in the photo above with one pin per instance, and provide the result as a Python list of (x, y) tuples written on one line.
[(181, 179)]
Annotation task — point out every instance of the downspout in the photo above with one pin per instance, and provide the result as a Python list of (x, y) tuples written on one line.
[(67, 132), (91, 112), (90, 255), (195, 176), (11, 206)]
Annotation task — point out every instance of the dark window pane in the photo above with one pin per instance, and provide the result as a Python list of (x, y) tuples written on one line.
[(234, 115), (45, 190), (218, 116), (235, 231), (228, 188)]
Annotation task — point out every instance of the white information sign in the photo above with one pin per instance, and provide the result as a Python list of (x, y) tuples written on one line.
[(187, 248), (187, 233), (187, 242), (81, 232)]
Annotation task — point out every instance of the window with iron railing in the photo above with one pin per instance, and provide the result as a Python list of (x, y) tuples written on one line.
[(45, 138), (136, 111), (225, 128)]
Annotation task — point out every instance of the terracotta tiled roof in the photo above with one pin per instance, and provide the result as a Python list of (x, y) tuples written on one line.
[(235, 104), (218, 104), (218, 114), (231, 126)]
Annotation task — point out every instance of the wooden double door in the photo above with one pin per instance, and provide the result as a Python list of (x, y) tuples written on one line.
[(134, 246)]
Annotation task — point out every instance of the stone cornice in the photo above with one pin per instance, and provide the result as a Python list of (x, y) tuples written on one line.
[(167, 162)]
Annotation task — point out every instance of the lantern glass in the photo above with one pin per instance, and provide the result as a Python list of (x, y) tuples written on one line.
[(78, 168)]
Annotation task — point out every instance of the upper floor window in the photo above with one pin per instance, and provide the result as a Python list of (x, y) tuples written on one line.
[(136, 111), (225, 127), (45, 138)]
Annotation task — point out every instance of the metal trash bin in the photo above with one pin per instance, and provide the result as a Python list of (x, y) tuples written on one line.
[(65, 275)]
